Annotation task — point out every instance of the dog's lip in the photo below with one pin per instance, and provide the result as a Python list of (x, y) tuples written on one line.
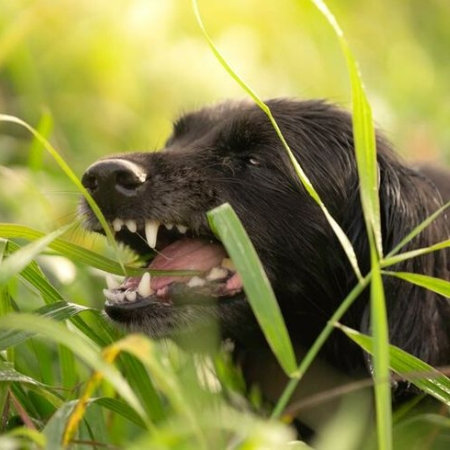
[(147, 228), (137, 312), (144, 235), (180, 296)]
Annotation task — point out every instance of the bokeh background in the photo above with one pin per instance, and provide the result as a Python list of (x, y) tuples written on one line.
[(104, 76)]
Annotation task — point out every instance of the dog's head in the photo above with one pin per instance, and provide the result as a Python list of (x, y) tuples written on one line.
[(230, 153)]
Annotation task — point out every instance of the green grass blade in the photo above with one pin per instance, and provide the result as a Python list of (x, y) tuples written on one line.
[(26, 436), (166, 379), (3, 248), (57, 311), (437, 285), (390, 261), (135, 372), (364, 136), (5, 308), (67, 367), (408, 366), (36, 153), (428, 221), (317, 345), (54, 428), (21, 258), (65, 248), (225, 223), (69, 173), (9, 374), (33, 275), (82, 255), (85, 350), (142, 384), (366, 157), (121, 408), (343, 239), (379, 325)]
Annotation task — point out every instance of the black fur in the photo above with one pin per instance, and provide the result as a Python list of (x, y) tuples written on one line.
[(230, 153)]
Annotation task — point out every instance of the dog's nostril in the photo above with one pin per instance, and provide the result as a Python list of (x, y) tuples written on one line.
[(89, 182), (117, 175), (127, 180)]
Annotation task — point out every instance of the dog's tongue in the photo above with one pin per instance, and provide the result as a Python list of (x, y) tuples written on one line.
[(186, 254)]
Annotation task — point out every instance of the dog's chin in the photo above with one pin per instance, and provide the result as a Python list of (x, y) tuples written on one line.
[(191, 320)]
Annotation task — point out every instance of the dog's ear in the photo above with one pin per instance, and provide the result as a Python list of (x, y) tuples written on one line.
[(418, 318)]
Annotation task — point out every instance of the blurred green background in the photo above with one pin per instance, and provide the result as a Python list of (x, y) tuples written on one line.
[(100, 77)]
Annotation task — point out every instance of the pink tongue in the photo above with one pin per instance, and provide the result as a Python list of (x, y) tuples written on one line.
[(186, 254)]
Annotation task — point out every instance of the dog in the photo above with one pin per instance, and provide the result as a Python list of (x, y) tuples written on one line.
[(230, 153)]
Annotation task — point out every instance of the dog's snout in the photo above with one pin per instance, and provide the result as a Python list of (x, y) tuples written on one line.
[(114, 177)]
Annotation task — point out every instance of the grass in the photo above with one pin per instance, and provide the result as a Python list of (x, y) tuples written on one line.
[(68, 379)]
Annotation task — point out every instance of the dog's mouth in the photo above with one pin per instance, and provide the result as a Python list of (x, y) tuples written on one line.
[(177, 249)]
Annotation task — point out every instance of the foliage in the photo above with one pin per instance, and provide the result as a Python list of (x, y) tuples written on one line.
[(65, 374)]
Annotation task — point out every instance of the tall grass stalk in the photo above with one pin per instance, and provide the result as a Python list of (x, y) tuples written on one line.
[(69, 173), (364, 137), (343, 239)]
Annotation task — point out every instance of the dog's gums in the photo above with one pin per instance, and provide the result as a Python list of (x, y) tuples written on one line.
[(156, 202)]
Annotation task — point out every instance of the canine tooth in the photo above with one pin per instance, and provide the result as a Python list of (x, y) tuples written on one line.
[(131, 225), (117, 224), (111, 282), (196, 282), (144, 289), (182, 229), (216, 273), (131, 296), (169, 226), (228, 264), (151, 232)]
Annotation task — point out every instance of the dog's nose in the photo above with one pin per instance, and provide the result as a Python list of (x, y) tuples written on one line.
[(114, 177)]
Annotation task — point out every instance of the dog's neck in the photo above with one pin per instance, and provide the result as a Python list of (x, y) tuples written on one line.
[(261, 369)]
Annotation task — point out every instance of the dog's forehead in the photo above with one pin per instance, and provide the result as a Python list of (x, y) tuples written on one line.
[(225, 124), (215, 114)]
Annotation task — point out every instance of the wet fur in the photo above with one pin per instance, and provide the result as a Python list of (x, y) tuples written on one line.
[(230, 153)]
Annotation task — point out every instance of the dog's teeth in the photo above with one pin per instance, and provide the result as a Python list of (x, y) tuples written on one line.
[(169, 226), (131, 225), (131, 296), (114, 297), (196, 282), (151, 232), (111, 282), (217, 273), (181, 228), (228, 264), (117, 224), (144, 289)]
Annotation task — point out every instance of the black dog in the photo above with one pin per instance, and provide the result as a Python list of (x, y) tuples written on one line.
[(230, 153)]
